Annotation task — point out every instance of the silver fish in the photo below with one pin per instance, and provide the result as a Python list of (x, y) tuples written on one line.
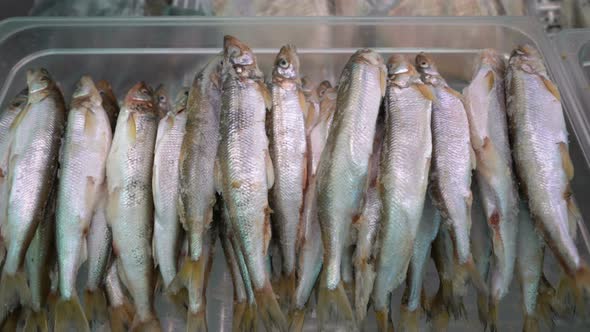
[(540, 149), (34, 151), (86, 145), (165, 184), (453, 160), (245, 172), (343, 168), (288, 149), (130, 202), (414, 295), (197, 186), (486, 111), (403, 176)]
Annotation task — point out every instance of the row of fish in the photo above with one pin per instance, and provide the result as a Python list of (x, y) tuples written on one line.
[(344, 190)]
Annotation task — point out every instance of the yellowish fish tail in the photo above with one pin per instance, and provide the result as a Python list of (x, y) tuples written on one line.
[(268, 309), (196, 321), (286, 287), (333, 304), (191, 276), (249, 321), (36, 321), (296, 320), (95, 307), (11, 322), (476, 278), (121, 317), (569, 295), (493, 316), (531, 324), (483, 309), (409, 321), (14, 292), (545, 299), (239, 309), (69, 315), (382, 317), (150, 324), (440, 306)]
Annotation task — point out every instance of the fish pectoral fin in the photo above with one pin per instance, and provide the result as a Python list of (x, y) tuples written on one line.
[(303, 104), (472, 158), (132, 129), (267, 230), (89, 123), (490, 80), (266, 95), (383, 82), (270, 173), (551, 88), (566, 161), (424, 90), (19, 118)]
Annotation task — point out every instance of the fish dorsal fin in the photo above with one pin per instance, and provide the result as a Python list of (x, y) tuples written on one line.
[(566, 161), (217, 176), (265, 95), (303, 104), (270, 173), (89, 123), (383, 82), (551, 87)]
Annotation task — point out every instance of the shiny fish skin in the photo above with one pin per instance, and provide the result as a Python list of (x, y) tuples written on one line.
[(17, 104), (34, 157), (287, 147), (486, 111), (165, 184), (245, 168), (86, 145), (99, 244), (539, 142), (403, 176), (342, 172), (452, 158), (130, 202), (319, 134)]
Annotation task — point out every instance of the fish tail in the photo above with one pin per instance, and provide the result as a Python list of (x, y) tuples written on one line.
[(382, 317), (296, 320), (14, 291), (239, 309), (11, 321), (569, 295), (476, 278), (196, 321), (121, 317), (493, 316), (95, 307), (425, 302), (364, 280), (440, 306), (482, 309), (285, 287), (333, 303), (545, 299), (36, 321), (151, 324), (531, 324), (268, 308), (409, 319), (70, 315), (191, 276), (249, 321)]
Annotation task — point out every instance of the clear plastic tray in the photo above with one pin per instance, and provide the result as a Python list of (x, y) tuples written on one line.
[(171, 50)]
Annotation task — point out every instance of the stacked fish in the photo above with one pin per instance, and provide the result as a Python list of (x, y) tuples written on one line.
[(344, 190)]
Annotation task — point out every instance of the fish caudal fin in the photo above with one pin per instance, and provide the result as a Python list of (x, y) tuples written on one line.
[(333, 304), (296, 320), (483, 309), (69, 315), (191, 276), (95, 308), (545, 300), (568, 297), (121, 317), (531, 324), (36, 321), (493, 316), (249, 320), (147, 325), (476, 278), (364, 280), (409, 319), (239, 309), (285, 288), (196, 321), (268, 309), (382, 317), (441, 305), (14, 292)]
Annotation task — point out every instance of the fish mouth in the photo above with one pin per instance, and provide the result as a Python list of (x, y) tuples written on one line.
[(368, 56)]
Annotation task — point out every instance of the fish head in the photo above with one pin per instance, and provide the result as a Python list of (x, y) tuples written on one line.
[(367, 56), (106, 90), (38, 80), (528, 59), (426, 65), (323, 87), (141, 98), (286, 64), (238, 59), (181, 100), (490, 59), (162, 100), (85, 88), (399, 65)]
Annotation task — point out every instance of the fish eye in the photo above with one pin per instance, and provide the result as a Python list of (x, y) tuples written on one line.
[(162, 98), (423, 64), (283, 63), (186, 93), (144, 91)]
